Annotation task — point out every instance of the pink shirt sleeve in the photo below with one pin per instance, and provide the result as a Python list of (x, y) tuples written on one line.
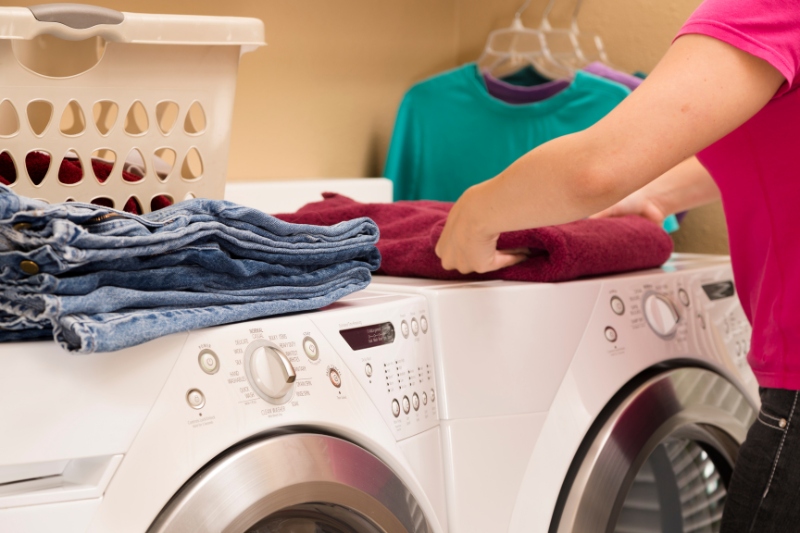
[(768, 29)]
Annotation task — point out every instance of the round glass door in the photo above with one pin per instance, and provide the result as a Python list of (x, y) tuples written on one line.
[(298, 483), (315, 518), (661, 461), (681, 487)]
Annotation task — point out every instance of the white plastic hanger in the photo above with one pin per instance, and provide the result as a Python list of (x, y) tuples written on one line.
[(570, 46), (508, 50)]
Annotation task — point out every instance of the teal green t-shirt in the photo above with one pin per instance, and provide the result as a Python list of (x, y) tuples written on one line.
[(451, 134)]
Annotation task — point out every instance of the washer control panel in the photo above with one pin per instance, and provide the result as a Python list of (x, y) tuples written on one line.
[(634, 311), (322, 363), (391, 356), (726, 321), (690, 312)]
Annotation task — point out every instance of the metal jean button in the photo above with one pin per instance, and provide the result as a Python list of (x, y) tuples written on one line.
[(29, 267)]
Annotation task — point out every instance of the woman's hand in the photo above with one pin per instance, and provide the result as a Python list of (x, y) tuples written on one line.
[(637, 203), (465, 245), (681, 188)]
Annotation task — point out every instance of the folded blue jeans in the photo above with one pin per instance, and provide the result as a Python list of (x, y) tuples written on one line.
[(147, 316), (62, 237), (103, 280)]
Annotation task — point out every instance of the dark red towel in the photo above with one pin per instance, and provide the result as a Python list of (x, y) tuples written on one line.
[(410, 230), (71, 172)]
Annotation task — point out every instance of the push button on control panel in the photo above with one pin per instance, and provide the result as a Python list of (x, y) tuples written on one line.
[(415, 401), (611, 334), (335, 378), (368, 370), (195, 399), (414, 326), (395, 408), (209, 361), (404, 328), (406, 405), (617, 305), (424, 398), (683, 296), (423, 323), (311, 348)]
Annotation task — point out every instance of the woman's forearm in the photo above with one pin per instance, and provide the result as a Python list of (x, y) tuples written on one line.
[(701, 90), (686, 186), (567, 179)]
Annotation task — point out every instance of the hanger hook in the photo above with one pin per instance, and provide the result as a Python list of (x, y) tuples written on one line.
[(575, 14), (545, 25), (521, 10)]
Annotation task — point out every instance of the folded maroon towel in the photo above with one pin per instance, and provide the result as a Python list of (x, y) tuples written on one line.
[(70, 172), (410, 231)]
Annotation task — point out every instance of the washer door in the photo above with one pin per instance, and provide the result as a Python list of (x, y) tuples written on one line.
[(661, 461), (299, 483)]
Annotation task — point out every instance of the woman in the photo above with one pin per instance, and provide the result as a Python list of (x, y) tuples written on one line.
[(726, 91)]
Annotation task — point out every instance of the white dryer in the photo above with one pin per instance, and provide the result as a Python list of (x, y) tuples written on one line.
[(613, 404), (321, 421)]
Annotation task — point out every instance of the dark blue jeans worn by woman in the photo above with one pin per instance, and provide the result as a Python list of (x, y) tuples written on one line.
[(764, 494)]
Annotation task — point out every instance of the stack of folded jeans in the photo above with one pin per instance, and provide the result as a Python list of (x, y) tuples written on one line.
[(100, 280)]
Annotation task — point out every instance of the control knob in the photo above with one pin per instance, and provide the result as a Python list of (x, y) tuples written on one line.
[(269, 371), (661, 315)]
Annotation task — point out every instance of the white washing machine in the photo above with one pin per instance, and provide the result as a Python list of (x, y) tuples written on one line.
[(322, 421), (614, 404)]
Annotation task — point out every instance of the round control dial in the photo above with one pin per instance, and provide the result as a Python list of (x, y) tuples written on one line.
[(269, 371), (661, 314)]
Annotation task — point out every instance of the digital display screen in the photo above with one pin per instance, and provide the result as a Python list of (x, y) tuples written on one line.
[(718, 291), (369, 336)]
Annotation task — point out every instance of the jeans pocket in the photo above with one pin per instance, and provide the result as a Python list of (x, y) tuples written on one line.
[(772, 419)]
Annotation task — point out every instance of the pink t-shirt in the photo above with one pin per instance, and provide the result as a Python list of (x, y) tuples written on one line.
[(757, 168)]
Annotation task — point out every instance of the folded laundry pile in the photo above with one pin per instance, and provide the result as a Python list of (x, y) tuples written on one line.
[(411, 229), (100, 280), (70, 172)]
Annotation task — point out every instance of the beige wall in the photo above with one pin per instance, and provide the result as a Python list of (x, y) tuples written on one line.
[(320, 99)]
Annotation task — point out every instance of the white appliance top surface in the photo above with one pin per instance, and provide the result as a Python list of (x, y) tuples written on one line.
[(289, 196), (677, 262)]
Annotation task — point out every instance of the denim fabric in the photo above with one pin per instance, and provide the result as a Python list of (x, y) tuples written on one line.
[(252, 275), (108, 280), (14, 327), (63, 237), (764, 488), (110, 331)]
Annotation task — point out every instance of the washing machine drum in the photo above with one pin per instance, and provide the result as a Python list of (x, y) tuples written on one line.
[(294, 483), (661, 460)]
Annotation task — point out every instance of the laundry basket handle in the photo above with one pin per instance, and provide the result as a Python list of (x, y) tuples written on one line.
[(76, 16), (79, 22)]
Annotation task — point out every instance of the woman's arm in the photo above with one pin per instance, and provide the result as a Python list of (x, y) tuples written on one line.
[(683, 187), (701, 90)]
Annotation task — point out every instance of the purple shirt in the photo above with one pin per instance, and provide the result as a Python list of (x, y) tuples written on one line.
[(521, 94), (516, 94), (604, 71)]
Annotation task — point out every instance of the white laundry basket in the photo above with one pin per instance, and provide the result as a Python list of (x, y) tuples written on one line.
[(155, 91)]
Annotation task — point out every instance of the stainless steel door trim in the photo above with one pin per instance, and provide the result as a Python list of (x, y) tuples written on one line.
[(270, 475), (692, 403)]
